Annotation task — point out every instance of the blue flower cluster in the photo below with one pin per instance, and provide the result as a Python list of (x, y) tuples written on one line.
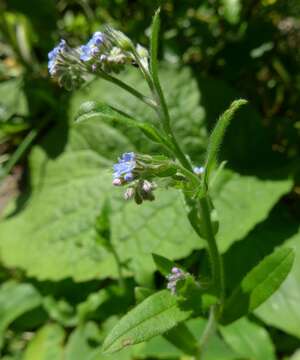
[(92, 48), (53, 56), (123, 170)]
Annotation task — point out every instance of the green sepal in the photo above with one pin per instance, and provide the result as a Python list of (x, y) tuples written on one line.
[(163, 265)]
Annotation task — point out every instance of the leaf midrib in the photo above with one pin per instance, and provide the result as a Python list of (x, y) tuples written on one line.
[(139, 323)]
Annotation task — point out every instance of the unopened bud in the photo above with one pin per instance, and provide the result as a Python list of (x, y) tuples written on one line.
[(129, 193), (117, 182), (147, 186)]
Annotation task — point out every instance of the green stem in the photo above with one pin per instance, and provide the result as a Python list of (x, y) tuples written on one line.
[(128, 88), (208, 332), (163, 113), (119, 267), (214, 255), (27, 141)]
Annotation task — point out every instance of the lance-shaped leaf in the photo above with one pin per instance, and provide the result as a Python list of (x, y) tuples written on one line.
[(154, 316), (154, 44), (15, 300), (180, 335), (163, 265), (259, 284), (93, 109), (217, 136)]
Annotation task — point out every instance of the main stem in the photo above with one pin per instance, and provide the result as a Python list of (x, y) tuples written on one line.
[(214, 255), (204, 212)]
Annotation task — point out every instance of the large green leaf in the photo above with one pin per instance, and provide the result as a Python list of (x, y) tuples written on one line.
[(182, 96), (215, 347), (260, 242), (249, 340), (282, 309), (259, 284), (80, 342), (15, 300), (53, 236), (157, 314), (242, 202), (12, 99), (47, 344)]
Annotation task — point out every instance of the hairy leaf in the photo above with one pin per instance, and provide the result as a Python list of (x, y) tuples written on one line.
[(15, 300), (282, 308), (92, 109), (155, 315), (47, 344), (249, 340), (216, 137), (259, 284), (182, 96), (163, 265)]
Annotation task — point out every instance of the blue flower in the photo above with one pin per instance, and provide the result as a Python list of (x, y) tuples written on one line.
[(92, 48), (53, 55), (125, 167), (198, 170)]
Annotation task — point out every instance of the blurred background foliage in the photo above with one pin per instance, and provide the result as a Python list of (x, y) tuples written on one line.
[(59, 294)]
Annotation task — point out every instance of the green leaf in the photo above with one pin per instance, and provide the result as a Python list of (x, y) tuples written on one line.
[(296, 355), (15, 300), (47, 344), (12, 100), (216, 138), (249, 340), (242, 202), (282, 310), (216, 348), (258, 285), (154, 43), (154, 316), (181, 337), (92, 109), (141, 293), (163, 265), (81, 341), (103, 226), (182, 95), (54, 236), (60, 311), (232, 9)]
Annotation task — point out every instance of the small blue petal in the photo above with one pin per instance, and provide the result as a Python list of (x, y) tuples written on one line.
[(128, 177), (128, 156)]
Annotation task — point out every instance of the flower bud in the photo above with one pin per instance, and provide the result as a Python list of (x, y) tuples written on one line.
[(117, 182), (147, 186), (129, 193), (119, 39)]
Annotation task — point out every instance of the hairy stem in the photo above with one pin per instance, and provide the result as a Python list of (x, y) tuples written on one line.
[(214, 255), (208, 332), (128, 88), (22, 148), (119, 267)]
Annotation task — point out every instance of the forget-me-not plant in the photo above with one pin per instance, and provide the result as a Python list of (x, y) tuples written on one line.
[(105, 55)]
